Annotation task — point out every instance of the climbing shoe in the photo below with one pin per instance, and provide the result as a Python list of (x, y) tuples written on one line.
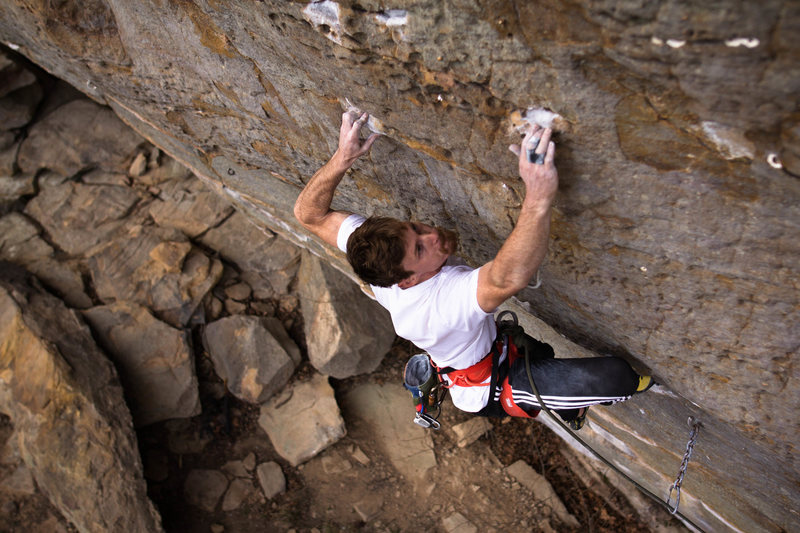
[(577, 423), (645, 382)]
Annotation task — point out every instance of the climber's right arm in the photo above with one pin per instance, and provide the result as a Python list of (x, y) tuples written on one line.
[(313, 206), (526, 247)]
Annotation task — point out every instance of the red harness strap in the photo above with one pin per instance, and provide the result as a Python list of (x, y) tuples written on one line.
[(506, 398), (477, 374), (472, 376)]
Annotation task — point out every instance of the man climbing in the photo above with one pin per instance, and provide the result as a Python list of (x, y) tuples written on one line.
[(448, 310)]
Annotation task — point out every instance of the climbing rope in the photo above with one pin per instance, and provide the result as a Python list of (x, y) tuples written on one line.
[(695, 425), (684, 464)]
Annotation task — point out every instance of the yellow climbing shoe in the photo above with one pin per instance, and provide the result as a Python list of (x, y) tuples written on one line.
[(577, 423), (645, 382)]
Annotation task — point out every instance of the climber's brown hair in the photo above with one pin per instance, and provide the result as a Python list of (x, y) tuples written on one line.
[(376, 250)]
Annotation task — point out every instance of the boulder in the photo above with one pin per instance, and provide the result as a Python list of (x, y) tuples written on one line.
[(458, 523), (64, 399), (78, 135), (268, 263), (155, 361), (77, 216), (238, 491), (389, 412), (346, 332), (20, 93), (251, 361), (9, 189), (468, 432), (157, 268), (542, 491), (204, 488), (303, 420), (14, 187), (21, 244), (271, 479), (189, 206)]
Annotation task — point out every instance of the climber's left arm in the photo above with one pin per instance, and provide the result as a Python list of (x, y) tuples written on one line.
[(313, 206)]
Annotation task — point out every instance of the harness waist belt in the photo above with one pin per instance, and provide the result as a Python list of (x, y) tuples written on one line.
[(472, 376)]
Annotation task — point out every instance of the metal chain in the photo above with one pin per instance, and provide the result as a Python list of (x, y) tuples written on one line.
[(695, 425)]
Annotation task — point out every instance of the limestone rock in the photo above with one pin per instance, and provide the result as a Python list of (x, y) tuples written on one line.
[(238, 491), (204, 488), (189, 206), (542, 491), (64, 399), (303, 420), (239, 291), (78, 217), (248, 358), (346, 332), (388, 410), (235, 469), (468, 432), (154, 360), (457, 523), (78, 135), (20, 93), (185, 438), (14, 187), (11, 188), (369, 507), (157, 268), (268, 263), (271, 479), (21, 244), (99, 176)]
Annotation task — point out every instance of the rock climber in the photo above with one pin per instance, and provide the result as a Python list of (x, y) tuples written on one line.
[(448, 310)]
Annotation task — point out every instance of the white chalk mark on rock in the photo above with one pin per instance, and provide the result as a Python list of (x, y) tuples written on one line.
[(728, 140), (742, 41), (325, 13), (773, 161), (393, 18)]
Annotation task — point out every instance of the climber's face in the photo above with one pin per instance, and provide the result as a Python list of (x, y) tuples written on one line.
[(427, 249)]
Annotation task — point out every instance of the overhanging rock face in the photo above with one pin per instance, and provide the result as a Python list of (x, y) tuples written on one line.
[(675, 237)]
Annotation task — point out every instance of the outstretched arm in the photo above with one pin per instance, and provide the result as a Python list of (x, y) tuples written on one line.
[(525, 249), (313, 207)]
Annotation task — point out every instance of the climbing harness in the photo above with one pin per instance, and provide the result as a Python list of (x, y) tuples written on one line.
[(695, 425), (425, 383)]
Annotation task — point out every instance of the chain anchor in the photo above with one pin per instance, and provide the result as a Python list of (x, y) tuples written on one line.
[(676, 487)]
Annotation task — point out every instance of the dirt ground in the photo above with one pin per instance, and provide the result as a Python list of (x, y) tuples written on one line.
[(335, 492)]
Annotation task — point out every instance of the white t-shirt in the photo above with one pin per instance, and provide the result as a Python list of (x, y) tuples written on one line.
[(441, 316)]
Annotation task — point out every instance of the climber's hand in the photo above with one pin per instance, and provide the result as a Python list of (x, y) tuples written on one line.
[(350, 145), (541, 179)]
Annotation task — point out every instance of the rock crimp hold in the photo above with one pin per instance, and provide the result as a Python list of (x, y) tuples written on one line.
[(65, 401)]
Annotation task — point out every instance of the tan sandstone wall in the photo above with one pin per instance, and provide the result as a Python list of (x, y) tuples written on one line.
[(675, 239)]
